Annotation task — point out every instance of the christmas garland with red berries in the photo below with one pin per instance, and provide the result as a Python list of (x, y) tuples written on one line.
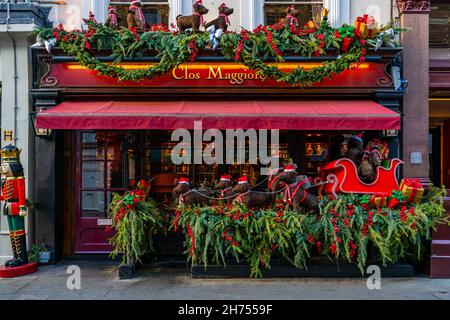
[(251, 48), (343, 229)]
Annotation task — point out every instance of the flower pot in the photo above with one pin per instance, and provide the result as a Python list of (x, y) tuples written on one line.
[(44, 257)]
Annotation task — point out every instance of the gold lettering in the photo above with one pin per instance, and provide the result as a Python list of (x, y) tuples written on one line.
[(215, 74), (174, 73)]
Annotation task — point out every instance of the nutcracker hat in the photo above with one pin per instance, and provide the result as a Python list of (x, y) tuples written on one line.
[(91, 14), (242, 180), (111, 9), (198, 2), (225, 177), (10, 154), (223, 5), (135, 2), (184, 181), (289, 168)]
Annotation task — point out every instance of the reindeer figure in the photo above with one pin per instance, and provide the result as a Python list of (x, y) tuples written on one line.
[(366, 170), (135, 16), (222, 21), (226, 189), (187, 196), (250, 198), (112, 21), (375, 157), (296, 190), (194, 21), (291, 17)]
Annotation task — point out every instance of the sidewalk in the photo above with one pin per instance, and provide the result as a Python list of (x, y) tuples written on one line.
[(99, 281)]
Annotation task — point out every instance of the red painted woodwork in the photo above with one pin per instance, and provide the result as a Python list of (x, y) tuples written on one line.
[(163, 115), (343, 177), (446, 154), (368, 75), (6, 272)]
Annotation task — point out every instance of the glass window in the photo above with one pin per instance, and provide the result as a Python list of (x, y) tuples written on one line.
[(275, 11), (439, 24), (155, 13), (101, 171)]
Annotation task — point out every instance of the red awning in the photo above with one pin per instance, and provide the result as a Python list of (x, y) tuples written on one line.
[(283, 115)]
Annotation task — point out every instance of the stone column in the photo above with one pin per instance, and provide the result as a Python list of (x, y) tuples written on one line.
[(414, 15), (334, 7)]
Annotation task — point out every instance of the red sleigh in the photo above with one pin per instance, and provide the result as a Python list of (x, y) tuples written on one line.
[(342, 177)]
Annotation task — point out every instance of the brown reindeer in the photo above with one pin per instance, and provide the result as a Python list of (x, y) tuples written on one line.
[(226, 189), (135, 16), (222, 21), (291, 17), (193, 21), (366, 169), (295, 192), (187, 196), (112, 21), (252, 199)]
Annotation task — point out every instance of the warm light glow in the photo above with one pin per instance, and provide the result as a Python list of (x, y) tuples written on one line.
[(224, 66)]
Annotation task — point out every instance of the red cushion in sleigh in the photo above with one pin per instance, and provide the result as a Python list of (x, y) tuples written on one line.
[(342, 176)]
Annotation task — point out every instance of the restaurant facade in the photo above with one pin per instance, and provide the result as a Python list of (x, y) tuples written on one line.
[(95, 133)]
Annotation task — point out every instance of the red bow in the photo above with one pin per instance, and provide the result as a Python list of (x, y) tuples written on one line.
[(362, 19), (413, 183), (227, 20)]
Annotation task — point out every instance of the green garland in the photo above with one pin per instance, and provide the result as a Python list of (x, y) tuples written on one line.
[(252, 49), (344, 230)]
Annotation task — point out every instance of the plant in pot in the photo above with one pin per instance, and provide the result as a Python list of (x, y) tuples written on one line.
[(135, 219), (40, 254)]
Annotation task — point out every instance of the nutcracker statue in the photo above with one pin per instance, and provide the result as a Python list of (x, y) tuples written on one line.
[(14, 205)]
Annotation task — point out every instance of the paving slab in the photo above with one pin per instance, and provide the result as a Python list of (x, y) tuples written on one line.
[(99, 281)]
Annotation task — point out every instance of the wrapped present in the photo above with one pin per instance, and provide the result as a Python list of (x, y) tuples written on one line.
[(395, 199), (412, 189), (311, 24), (361, 25), (366, 25), (379, 200), (347, 34), (372, 27)]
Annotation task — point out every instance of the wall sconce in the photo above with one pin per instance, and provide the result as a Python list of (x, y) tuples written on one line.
[(42, 133), (390, 133)]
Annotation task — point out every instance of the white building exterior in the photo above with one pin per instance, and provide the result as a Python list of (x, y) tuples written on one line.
[(247, 14)]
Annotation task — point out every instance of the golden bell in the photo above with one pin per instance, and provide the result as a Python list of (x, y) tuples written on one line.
[(10, 154), (325, 12)]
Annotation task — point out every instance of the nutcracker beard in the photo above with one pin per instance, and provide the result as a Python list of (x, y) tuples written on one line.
[(13, 196)]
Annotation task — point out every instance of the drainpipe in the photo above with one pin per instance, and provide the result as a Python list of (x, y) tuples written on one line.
[(8, 17)]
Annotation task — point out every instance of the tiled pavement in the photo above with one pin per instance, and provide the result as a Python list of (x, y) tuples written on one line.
[(99, 281)]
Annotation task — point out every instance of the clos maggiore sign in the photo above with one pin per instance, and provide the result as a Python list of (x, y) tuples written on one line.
[(209, 75)]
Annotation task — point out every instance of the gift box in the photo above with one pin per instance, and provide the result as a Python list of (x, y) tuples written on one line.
[(366, 25), (311, 24), (347, 34), (395, 199), (412, 189), (372, 27), (379, 200)]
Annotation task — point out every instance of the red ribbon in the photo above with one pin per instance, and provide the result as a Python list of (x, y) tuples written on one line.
[(413, 183), (227, 20), (294, 20), (202, 20)]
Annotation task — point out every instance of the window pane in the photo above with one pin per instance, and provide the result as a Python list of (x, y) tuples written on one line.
[(93, 175), (276, 12), (93, 146), (155, 13), (92, 204), (439, 24), (114, 171)]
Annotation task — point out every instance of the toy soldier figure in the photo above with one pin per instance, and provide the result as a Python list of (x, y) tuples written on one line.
[(112, 21), (135, 17), (13, 196)]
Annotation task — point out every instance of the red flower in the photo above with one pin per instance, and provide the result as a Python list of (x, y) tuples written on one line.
[(235, 243), (333, 249), (311, 239)]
